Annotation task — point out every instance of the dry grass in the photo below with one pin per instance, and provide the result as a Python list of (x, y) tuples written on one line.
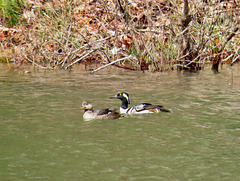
[(159, 35)]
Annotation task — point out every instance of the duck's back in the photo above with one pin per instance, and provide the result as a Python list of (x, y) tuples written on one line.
[(101, 114), (143, 108)]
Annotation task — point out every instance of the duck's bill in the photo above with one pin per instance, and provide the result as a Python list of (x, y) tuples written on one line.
[(113, 97)]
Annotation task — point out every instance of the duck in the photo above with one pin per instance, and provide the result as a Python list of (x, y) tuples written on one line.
[(141, 108), (89, 113)]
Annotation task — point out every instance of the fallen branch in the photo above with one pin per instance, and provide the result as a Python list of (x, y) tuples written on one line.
[(43, 67), (226, 59), (217, 60), (234, 60), (79, 59), (118, 60)]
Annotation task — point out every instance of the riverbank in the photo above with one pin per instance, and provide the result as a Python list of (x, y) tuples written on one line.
[(136, 35), (109, 70)]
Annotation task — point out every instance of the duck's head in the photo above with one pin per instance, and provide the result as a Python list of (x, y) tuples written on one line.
[(86, 105), (123, 96)]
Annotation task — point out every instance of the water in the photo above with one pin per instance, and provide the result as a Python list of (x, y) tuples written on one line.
[(43, 135)]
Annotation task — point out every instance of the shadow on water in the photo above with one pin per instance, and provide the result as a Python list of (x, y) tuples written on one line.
[(43, 135)]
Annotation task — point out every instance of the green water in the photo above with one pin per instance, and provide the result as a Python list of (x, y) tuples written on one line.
[(43, 135)]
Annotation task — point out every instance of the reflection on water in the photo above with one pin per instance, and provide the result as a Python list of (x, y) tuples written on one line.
[(43, 135)]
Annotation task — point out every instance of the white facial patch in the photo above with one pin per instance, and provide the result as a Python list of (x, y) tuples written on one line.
[(126, 96)]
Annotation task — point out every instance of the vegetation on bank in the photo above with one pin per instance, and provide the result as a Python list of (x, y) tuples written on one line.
[(132, 34)]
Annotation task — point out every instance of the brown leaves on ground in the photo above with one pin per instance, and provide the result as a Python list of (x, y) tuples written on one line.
[(62, 33)]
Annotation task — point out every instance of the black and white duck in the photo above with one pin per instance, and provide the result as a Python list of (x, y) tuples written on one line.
[(90, 114), (141, 108)]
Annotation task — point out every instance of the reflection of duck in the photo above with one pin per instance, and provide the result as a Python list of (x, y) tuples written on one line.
[(89, 113), (137, 109)]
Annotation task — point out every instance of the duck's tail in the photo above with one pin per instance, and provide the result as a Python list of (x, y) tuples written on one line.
[(164, 110)]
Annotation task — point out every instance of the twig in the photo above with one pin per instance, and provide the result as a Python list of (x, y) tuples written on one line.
[(37, 64), (194, 60), (226, 59), (217, 60), (235, 59), (76, 61), (115, 61), (229, 38), (65, 58)]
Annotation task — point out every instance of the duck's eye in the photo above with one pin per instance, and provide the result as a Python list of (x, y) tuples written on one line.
[(120, 94)]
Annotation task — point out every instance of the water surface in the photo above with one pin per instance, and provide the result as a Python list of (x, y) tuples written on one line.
[(43, 135)]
